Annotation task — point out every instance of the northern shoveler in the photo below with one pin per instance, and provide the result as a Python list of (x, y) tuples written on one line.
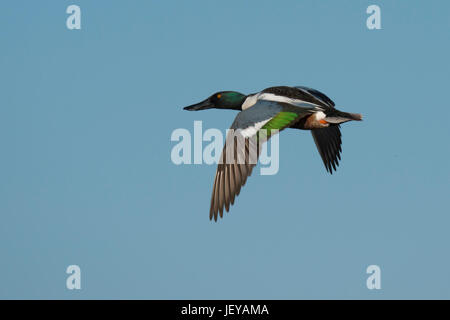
[(273, 108)]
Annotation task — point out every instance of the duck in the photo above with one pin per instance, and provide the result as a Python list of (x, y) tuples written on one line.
[(270, 110)]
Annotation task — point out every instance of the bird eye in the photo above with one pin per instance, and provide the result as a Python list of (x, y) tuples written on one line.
[(219, 96)]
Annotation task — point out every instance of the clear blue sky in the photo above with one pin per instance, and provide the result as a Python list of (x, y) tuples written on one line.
[(85, 170)]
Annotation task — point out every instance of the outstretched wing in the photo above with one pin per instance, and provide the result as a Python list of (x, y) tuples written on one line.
[(328, 142), (245, 137)]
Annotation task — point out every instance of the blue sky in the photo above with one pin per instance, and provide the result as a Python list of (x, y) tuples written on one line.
[(86, 177)]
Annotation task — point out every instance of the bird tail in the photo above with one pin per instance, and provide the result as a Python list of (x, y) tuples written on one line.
[(336, 116)]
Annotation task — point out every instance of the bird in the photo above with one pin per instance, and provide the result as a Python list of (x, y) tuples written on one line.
[(276, 108)]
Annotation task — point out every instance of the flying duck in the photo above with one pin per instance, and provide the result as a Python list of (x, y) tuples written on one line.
[(272, 108)]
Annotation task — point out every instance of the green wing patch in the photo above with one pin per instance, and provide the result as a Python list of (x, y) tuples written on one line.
[(279, 122)]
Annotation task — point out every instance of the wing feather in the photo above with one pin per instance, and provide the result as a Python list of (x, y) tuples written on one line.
[(328, 142), (322, 97)]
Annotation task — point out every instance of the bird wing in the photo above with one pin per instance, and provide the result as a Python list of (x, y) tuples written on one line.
[(245, 137), (322, 98), (328, 142), (300, 96)]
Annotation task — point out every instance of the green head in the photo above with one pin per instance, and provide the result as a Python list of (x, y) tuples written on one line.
[(220, 100)]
